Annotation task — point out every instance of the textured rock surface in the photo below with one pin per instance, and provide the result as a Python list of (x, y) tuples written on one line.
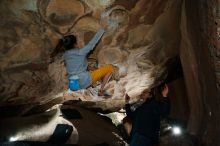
[(142, 36), (36, 128), (199, 57), (139, 45)]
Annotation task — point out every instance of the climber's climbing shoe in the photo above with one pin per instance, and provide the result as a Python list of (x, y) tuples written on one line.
[(106, 94)]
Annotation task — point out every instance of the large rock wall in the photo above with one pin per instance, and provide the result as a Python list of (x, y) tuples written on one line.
[(141, 38), (199, 57)]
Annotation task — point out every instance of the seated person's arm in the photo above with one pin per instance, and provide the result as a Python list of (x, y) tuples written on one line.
[(165, 102), (165, 107)]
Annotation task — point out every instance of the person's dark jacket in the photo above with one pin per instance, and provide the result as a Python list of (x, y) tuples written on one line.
[(146, 118)]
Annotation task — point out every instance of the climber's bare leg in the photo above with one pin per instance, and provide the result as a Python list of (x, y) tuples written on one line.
[(105, 80)]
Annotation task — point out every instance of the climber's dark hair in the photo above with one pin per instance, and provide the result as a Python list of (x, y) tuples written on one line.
[(66, 43)]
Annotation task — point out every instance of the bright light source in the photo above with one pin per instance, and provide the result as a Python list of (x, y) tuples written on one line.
[(176, 130), (13, 138)]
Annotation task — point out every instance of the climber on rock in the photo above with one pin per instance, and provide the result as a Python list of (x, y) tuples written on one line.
[(76, 63)]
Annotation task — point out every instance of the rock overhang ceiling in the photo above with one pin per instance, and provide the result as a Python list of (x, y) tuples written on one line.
[(141, 38)]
